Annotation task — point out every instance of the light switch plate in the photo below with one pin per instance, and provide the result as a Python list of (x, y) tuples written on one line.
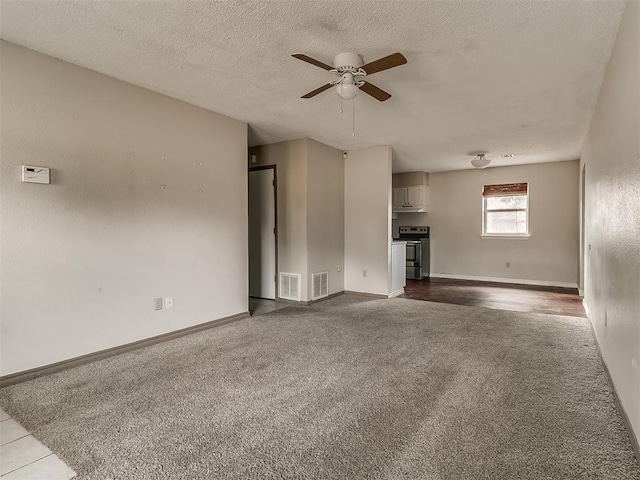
[(31, 174)]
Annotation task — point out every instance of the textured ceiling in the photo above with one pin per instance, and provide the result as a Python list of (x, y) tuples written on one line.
[(501, 76)]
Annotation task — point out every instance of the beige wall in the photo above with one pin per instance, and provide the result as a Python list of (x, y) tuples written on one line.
[(367, 197), (290, 159), (549, 256), (325, 221), (410, 179), (612, 227), (148, 199)]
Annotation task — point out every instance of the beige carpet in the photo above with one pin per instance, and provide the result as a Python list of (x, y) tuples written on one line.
[(348, 388)]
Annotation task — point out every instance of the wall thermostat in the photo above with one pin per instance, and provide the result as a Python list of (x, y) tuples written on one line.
[(31, 174)]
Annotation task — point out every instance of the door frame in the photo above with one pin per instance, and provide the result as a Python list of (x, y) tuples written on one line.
[(275, 206)]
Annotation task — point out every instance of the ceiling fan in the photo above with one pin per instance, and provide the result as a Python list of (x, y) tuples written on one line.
[(350, 69)]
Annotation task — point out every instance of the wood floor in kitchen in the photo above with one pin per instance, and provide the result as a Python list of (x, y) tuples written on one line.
[(501, 296)]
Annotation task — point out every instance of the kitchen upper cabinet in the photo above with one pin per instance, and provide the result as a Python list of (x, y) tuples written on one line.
[(416, 196), (410, 199), (400, 197)]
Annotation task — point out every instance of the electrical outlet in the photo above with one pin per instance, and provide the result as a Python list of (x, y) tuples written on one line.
[(339, 268), (364, 273), (168, 302), (508, 264), (157, 303)]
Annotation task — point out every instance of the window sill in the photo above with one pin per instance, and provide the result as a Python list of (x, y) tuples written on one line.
[(506, 237)]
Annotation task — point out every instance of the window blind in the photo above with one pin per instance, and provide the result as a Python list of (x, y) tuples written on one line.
[(504, 189)]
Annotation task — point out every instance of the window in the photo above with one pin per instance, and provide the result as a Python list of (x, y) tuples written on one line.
[(505, 210)]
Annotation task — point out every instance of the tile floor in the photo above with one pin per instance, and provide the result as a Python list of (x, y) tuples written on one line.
[(22, 457), (258, 306)]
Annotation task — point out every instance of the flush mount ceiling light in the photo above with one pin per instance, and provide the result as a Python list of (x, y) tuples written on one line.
[(480, 161)]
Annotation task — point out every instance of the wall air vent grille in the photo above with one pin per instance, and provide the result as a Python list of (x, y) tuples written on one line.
[(290, 286), (320, 285)]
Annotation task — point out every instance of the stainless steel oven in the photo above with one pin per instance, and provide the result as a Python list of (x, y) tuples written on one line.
[(418, 251), (414, 253)]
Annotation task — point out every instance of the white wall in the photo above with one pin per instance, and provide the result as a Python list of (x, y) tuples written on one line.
[(325, 220), (548, 256), (367, 199), (148, 199), (612, 224)]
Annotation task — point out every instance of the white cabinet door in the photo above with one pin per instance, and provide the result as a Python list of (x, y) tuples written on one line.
[(415, 196), (400, 196)]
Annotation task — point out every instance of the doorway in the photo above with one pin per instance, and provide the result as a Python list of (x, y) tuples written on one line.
[(262, 233)]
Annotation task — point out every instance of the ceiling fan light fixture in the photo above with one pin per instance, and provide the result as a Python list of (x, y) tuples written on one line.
[(347, 91), (480, 161), (351, 69)]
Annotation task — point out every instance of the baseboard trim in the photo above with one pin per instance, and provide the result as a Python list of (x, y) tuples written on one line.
[(365, 294), (396, 293), (520, 281), (623, 413), (25, 375), (291, 302), (310, 302)]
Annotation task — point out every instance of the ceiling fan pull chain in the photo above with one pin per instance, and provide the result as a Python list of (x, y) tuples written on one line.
[(353, 118)]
